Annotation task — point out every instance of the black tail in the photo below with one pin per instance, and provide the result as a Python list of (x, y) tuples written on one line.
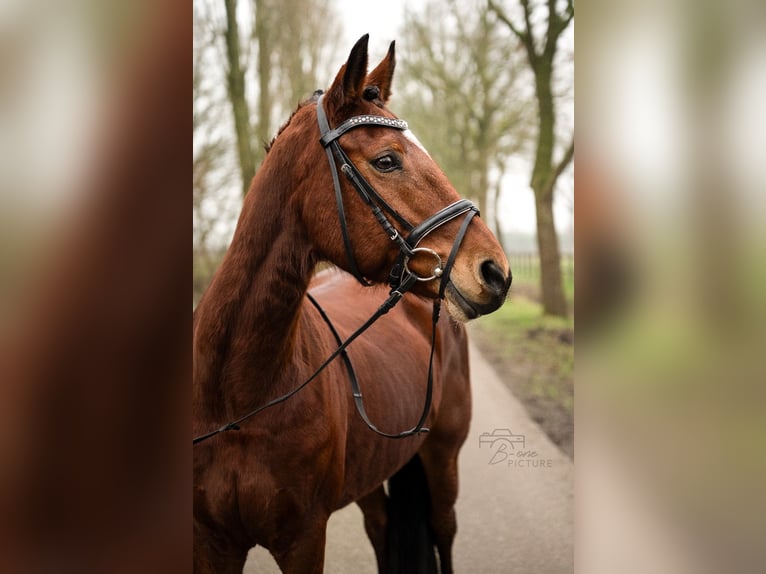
[(410, 541)]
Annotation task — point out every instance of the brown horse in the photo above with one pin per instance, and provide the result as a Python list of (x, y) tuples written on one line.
[(275, 480)]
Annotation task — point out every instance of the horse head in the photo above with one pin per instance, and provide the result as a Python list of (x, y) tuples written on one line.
[(395, 169)]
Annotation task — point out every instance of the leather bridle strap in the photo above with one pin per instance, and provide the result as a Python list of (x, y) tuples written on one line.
[(453, 252), (329, 141), (353, 268)]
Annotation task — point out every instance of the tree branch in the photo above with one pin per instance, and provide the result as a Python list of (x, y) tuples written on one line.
[(557, 23), (552, 14), (530, 38), (550, 183), (526, 36), (564, 162), (505, 20)]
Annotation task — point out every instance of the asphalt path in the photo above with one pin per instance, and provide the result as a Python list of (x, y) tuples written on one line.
[(515, 508)]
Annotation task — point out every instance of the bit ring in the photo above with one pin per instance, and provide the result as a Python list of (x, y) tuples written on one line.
[(437, 270)]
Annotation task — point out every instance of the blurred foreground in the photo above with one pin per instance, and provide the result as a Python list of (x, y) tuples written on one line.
[(671, 316), (94, 228)]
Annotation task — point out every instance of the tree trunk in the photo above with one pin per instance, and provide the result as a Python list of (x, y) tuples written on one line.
[(554, 302), (265, 103), (496, 202), (235, 79), (544, 176), (483, 190), (545, 172)]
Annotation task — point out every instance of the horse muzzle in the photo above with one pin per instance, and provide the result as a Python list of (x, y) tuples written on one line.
[(484, 293)]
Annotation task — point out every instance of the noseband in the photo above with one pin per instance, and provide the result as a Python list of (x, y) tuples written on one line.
[(401, 277)]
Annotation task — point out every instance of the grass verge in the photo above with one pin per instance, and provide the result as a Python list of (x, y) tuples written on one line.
[(534, 355)]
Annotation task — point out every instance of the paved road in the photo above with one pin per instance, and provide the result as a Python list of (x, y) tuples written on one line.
[(512, 518)]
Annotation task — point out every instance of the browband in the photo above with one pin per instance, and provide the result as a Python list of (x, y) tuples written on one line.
[(357, 121)]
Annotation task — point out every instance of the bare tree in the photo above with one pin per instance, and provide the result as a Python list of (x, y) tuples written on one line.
[(464, 96), (253, 61), (263, 30), (236, 86), (274, 52), (210, 173), (307, 46), (541, 49)]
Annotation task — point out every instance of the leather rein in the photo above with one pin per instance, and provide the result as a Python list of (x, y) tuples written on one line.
[(401, 278)]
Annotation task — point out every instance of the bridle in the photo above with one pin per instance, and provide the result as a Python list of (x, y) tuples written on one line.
[(401, 277), (408, 246)]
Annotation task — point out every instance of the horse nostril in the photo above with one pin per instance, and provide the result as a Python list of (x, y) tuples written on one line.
[(494, 278)]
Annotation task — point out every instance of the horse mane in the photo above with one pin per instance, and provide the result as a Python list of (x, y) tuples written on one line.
[(314, 97)]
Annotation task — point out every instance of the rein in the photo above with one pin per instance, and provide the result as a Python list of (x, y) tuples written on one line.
[(401, 278)]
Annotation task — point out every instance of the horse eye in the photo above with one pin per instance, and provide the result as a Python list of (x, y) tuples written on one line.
[(386, 163)]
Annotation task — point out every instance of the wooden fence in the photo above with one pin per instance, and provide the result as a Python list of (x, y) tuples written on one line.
[(526, 265)]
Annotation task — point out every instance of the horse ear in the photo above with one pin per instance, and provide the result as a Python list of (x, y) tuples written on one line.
[(349, 83), (382, 76)]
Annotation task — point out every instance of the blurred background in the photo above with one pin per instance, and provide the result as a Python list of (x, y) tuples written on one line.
[(671, 175), (464, 82), (94, 259)]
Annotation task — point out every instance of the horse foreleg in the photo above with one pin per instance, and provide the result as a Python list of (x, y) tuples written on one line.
[(214, 555), (374, 509), (304, 555)]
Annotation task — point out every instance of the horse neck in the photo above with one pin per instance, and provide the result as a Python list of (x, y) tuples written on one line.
[(248, 321)]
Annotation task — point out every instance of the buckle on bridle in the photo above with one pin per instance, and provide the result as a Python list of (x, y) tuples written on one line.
[(438, 269)]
